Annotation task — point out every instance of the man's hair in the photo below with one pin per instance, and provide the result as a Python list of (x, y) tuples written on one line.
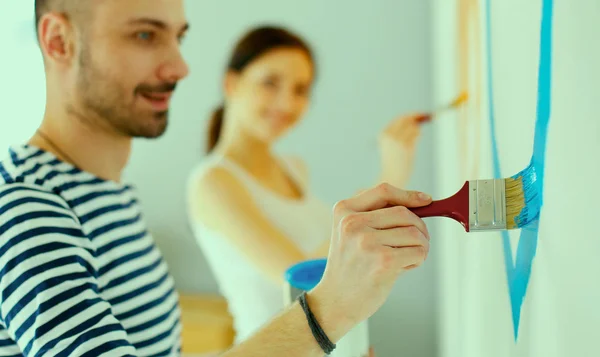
[(71, 8), (42, 7)]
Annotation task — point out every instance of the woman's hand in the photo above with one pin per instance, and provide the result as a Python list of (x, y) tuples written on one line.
[(371, 352), (397, 145)]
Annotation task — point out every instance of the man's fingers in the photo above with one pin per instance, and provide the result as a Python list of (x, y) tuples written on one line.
[(392, 217), (410, 257), (401, 237), (385, 195)]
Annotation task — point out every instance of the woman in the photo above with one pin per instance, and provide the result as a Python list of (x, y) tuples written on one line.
[(252, 210)]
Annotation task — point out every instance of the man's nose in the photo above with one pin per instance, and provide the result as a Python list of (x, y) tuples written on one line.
[(175, 69)]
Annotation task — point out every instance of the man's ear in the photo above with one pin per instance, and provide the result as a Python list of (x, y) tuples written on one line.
[(57, 38), (230, 83)]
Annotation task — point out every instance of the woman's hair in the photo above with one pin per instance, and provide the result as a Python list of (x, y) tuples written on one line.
[(252, 45)]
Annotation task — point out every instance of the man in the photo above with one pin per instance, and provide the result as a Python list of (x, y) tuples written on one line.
[(80, 275)]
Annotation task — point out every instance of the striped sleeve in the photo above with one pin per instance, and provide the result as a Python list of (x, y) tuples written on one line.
[(50, 303)]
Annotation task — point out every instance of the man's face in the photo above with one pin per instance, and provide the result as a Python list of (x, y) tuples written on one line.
[(129, 64)]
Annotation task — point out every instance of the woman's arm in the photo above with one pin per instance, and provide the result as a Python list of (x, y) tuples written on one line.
[(397, 146)]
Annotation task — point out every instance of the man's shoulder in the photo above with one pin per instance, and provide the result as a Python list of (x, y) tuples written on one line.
[(28, 204), (25, 177), (32, 217), (27, 165), (13, 194)]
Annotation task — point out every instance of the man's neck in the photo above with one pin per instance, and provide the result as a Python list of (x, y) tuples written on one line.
[(91, 149)]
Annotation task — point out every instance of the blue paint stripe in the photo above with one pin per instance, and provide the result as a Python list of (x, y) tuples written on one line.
[(544, 93), (518, 273)]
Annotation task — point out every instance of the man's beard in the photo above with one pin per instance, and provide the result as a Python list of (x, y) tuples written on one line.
[(104, 102)]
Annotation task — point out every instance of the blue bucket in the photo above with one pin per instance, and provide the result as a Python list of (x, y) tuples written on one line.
[(306, 275)]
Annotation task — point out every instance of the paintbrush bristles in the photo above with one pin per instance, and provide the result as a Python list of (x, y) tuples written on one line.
[(515, 201)]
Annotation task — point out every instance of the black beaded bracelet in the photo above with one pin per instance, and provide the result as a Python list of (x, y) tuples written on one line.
[(326, 345)]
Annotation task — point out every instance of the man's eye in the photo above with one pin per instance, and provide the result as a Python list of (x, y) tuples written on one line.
[(144, 36)]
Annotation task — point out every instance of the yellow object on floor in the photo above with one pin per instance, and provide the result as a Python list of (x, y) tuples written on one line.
[(207, 324)]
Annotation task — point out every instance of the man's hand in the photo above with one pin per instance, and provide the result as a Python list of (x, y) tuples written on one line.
[(375, 238)]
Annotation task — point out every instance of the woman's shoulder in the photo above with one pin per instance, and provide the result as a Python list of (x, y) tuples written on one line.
[(213, 173)]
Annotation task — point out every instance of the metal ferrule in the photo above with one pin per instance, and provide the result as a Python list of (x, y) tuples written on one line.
[(487, 204)]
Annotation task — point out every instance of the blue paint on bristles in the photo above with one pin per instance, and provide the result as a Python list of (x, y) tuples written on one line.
[(523, 198)]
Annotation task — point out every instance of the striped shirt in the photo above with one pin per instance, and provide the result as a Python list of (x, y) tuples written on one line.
[(79, 273)]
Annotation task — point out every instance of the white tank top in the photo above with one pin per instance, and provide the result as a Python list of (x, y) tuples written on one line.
[(252, 298)]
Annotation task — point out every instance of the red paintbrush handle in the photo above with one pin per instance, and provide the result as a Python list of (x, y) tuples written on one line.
[(455, 207)]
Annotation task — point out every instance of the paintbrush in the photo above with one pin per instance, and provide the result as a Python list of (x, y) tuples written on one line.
[(457, 102), (495, 204)]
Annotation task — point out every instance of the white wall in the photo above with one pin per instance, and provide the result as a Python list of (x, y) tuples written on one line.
[(374, 63), (559, 316), (22, 93)]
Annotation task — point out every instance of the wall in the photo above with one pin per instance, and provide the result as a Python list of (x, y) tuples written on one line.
[(374, 64), (558, 316), (22, 93)]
